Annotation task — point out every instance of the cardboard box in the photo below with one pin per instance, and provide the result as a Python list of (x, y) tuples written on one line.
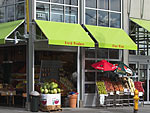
[(50, 99)]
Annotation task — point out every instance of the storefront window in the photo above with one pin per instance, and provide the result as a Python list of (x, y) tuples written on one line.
[(90, 17), (71, 2), (10, 10), (42, 11), (89, 88), (71, 15), (103, 4), (57, 13), (20, 11), (90, 53), (2, 14), (88, 64), (89, 76), (115, 20), (115, 5), (113, 53), (103, 18), (102, 53)]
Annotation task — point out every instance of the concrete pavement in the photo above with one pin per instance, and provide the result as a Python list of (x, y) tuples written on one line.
[(145, 109)]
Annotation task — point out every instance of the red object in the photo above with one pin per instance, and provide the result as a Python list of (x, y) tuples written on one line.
[(138, 85), (104, 65)]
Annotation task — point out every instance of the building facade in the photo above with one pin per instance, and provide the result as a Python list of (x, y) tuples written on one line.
[(102, 13)]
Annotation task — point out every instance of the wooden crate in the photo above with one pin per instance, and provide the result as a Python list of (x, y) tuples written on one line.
[(51, 108)]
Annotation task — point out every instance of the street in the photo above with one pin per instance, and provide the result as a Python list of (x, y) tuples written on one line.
[(145, 109)]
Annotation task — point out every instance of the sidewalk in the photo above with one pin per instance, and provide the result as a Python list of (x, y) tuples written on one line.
[(145, 109)]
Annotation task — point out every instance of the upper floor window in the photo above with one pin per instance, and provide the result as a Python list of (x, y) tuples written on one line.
[(57, 10), (103, 13), (11, 10)]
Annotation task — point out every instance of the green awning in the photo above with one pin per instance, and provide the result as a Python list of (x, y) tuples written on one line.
[(7, 28), (111, 37), (66, 34), (143, 23)]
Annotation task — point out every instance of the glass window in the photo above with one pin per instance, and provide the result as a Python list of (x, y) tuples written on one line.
[(57, 13), (10, 2), (91, 3), (115, 5), (103, 18), (20, 0), (43, 0), (88, 64), (90, 53), (103, 4), (71, 15), (102, 53), (90, 76), (90, 17), (113, 53), (115, 20), (10, 10), (58, 1), (42, 11), (2, 18), (89, 88), (71, 2), (20, 11)]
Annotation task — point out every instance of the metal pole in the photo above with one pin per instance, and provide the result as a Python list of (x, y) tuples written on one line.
[(29, 51), (148, 81), (78, 75)]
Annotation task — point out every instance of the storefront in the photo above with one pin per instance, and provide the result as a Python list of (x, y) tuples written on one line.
[(75, 46), (139, 60)]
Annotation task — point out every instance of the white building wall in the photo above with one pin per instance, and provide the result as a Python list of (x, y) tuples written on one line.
[(137, 8)]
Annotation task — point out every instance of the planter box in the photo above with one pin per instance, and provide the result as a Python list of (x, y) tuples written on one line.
[(50, 99)]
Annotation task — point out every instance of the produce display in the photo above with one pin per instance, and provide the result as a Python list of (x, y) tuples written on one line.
[(50, 88), (101, 87), (131, 85), (109, 86), (67, 83), (120, 86), (138, 86)]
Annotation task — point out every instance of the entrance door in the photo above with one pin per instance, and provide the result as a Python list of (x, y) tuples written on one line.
[(144, 73)]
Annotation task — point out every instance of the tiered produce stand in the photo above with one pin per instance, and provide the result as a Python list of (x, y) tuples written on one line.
[(119, 92)]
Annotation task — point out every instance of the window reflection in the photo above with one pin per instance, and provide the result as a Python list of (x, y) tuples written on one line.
[(42, 12), (115, 5), (115, 20), (10, 10), (91, 3), (90, 76), (2, 2), (71, 2), (57, 13), (10, 2), (103, 18), (103, 4), (58, 1), (43, 0), (91, 17), (71, 15), (20, 11)]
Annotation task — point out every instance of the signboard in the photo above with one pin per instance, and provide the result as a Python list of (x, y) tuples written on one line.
[(50, 99)]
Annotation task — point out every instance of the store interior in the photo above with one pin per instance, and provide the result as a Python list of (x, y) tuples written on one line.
[(56, 66)]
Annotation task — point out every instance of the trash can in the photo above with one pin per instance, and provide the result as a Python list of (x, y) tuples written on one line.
[(73, 100), (34, 99)]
